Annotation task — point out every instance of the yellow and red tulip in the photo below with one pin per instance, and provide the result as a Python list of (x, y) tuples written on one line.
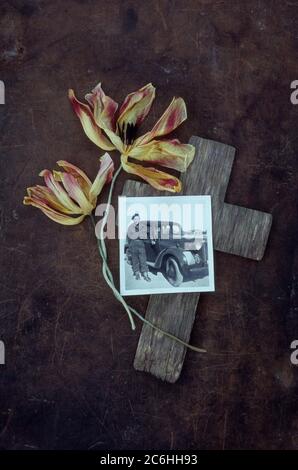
[(110, 129), (69, 195)]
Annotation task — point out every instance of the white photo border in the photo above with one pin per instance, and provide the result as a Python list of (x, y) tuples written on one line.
[(122, 229)]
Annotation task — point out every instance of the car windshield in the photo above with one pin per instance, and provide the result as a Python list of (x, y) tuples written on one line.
[(176, 230), (163, 230), (170, 230)]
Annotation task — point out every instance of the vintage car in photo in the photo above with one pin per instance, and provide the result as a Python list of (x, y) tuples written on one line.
[(179, 255)]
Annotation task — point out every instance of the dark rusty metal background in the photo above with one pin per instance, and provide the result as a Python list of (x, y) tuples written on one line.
[(69, 380)]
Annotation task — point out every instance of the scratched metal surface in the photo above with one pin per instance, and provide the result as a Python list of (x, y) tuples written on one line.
[(69, 380)]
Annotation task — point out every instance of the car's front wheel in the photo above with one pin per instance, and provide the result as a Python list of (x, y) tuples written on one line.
[(172, 272)]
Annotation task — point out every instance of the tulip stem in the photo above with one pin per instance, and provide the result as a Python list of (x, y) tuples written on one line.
[(103, 252), (108, 276)]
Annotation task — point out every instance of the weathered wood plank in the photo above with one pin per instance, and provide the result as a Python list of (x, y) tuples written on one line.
[(210, 170), (240, 231), (157, 354), (236, 230)]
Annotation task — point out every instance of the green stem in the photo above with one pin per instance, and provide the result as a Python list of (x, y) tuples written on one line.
[(110, 281), (103, 252)]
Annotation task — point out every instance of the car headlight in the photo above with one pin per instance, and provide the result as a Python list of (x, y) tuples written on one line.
[(197, 258), (189, 257)]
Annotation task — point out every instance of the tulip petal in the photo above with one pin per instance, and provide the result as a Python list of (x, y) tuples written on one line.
[(51, 213), (74, 190), (59, 192), (156, 178), (48, 197), (167, 153), (104, 108), (79, 174), (136, 106), (73, 169), (173, 116), (90, 127), (117, 141), (104, 175)]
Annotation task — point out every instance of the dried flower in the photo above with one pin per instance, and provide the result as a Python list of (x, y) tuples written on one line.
[(110, 129), (69, 195)]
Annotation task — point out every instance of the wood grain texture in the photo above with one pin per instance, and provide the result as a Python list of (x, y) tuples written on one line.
[(237, 230), (240, 231)]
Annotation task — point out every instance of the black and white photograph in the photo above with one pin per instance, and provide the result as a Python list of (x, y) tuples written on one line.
[(165, 244)]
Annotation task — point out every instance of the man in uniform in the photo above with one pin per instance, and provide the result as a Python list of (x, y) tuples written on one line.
[(136, 234)]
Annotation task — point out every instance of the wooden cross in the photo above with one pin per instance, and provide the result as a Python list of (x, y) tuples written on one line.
[(236, 230)]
